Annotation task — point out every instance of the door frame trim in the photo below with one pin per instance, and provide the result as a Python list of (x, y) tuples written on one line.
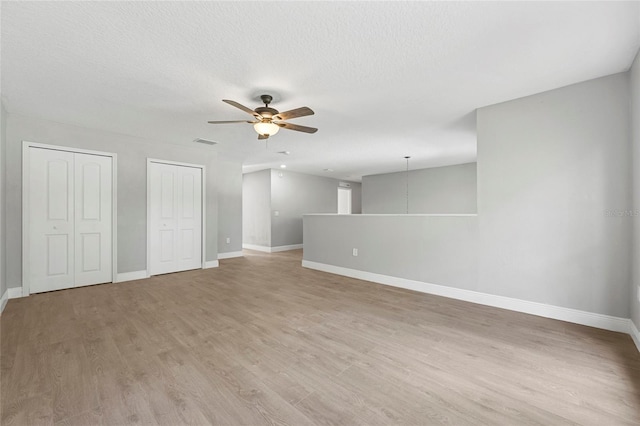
[(26, 161), (203, 232)]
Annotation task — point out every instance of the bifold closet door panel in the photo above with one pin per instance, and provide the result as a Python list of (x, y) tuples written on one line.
[(189, 218), (51, 220), (175, 213), (163, 221), (93, 219), (70, 219)]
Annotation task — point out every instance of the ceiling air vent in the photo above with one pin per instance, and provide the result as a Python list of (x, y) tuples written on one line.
[(205, 141)]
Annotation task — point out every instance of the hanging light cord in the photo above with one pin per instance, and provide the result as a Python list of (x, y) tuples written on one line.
[(407, 186)]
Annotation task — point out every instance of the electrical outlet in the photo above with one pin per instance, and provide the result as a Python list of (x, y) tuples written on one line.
[(355, 251), (228, 240), (276, 213)]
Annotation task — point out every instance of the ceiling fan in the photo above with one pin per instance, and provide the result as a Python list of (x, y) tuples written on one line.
[(268, 120)]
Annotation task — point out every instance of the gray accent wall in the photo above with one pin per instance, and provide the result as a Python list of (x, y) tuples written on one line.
[(256, 208), (229, 181), (132, 185), (433, 249), (439, 190), (3, 180), (554, 170), (275, 201), (551, 168), (634, 75), (356, 197), (293, 195)]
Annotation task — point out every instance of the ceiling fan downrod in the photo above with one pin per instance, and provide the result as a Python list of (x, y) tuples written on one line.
[(266, 99)]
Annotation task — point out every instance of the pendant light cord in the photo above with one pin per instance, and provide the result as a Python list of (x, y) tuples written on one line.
[(407, 183)]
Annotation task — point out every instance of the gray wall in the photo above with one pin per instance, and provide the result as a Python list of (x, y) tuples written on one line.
[(450, 189), (356, 197), (635, 117), (293, 195), (132, 181), (549, 168), (3, 230), (256, 208), (229, 180), (438, 250)]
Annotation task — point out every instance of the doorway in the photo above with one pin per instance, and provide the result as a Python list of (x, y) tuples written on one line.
[(344, 200)]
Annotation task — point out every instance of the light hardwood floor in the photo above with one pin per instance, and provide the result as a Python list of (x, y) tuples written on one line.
[(261, 340)]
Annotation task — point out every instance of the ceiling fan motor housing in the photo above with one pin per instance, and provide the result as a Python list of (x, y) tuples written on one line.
[(266, 112)]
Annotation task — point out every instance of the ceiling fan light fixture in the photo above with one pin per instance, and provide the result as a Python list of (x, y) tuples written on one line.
[(266, 128), (264, 118)]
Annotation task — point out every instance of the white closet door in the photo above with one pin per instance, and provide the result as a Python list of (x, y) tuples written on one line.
[(93, 211), (163, 220), (189, 218), (70, 202), (175, 210), (51, 220)]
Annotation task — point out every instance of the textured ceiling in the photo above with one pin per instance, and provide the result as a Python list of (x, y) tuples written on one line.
[(386, 79)]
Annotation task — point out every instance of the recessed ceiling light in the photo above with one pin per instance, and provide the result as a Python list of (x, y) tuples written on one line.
[(284, 152), (328, 170), (283, 166)]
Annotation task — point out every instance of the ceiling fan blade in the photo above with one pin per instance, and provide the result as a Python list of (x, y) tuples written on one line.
[(294, 113), (242, 107), (232, 121), (263, 137), (297, 127)]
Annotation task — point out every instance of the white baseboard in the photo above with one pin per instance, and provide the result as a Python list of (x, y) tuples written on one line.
[(211, 264), (286, 248), (635, 334), (272, 249), (257, 248), (131, 276), (14, 292), (3, 300), (591, 319), (229, 255)]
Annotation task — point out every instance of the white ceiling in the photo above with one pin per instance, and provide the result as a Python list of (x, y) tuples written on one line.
[(386, 79)]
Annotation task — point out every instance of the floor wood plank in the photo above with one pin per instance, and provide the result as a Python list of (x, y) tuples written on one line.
[(261, 340)]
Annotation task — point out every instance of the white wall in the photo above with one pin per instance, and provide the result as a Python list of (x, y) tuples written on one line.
[(132, 154), (635, 127), (256, 208), (449, 189), (550, 168), (229, 180)]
